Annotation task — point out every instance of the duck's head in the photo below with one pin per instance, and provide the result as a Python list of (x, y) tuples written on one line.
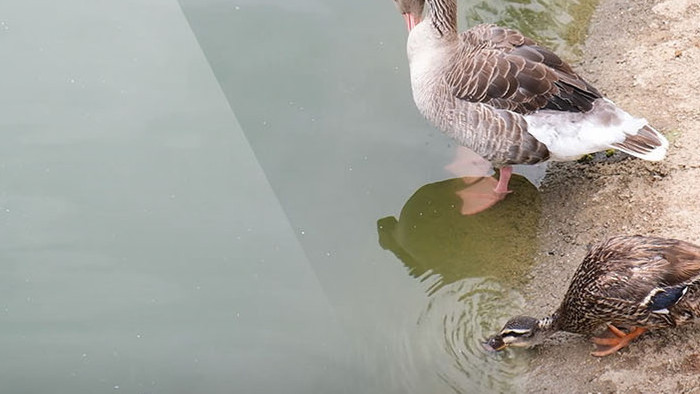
[(520, 331), (412, 11)]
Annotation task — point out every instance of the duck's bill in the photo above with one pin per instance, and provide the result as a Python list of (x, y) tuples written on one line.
[(411, 20), (494, 344)]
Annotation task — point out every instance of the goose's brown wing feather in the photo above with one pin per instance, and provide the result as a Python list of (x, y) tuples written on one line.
[(503, 68), (498, 135)]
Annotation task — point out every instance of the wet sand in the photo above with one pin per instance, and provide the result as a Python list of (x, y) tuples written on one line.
[(644, 55)]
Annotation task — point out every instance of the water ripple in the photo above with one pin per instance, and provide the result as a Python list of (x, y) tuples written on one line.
[(452, 326)]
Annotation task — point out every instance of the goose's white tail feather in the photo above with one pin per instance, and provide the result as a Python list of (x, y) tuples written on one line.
[(571, 135), (647, 144)]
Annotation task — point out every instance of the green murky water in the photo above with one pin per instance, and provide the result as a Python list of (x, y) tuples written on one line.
[(213, 196), (558, 24), (469, 266), (435, 241)]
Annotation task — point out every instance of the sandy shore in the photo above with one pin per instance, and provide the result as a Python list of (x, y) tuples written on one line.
[(644, 55)]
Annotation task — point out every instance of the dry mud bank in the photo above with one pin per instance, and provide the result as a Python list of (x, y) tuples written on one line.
[(645, 56)]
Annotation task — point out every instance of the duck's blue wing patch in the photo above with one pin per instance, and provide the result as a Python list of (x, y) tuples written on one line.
[(667, 297)]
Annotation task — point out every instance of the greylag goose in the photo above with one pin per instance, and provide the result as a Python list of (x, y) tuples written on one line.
[(511, 101)]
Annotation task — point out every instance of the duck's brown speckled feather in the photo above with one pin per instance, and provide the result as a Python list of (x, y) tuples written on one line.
[(614, 282)]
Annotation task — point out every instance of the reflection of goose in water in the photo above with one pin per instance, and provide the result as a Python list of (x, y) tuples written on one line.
[(457, 257), (432, 238)]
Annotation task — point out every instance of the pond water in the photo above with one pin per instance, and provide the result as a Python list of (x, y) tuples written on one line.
[(212, 196)]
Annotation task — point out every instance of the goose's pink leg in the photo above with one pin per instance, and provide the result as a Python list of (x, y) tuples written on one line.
[(503, 179)]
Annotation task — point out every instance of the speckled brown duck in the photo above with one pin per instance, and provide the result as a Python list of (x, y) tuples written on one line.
[(633, 282), (510, 100)]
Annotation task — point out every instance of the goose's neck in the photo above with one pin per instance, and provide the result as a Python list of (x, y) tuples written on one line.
[(431, 46), (442, 14)]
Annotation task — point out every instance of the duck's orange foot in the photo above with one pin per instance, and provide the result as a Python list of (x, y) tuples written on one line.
[(607, 346), (479, 195)]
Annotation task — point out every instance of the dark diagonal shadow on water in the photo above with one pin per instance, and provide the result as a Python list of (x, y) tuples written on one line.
[(469, 265)]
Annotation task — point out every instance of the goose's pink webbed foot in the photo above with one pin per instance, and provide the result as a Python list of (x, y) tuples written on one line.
[(479, 195), (467, 163), (482, 191)]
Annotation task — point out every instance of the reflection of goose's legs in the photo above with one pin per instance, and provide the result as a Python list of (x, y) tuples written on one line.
[(503, 179), (620, 340), (479, 194), (468, 163)]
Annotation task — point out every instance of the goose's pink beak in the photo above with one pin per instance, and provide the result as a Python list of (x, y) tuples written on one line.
[(411, 21)]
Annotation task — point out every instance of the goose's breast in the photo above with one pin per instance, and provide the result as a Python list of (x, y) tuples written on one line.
[(428, 61)]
